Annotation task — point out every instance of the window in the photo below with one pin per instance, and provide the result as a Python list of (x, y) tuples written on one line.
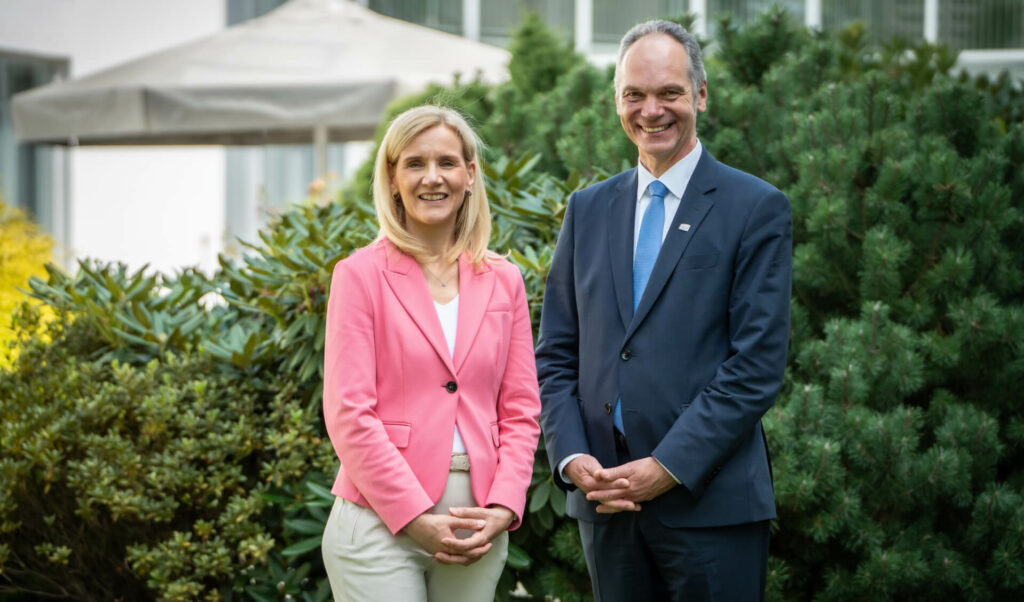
[(31, 176), (981, 24), (500, 18), (884, 18), (445, 15), (613, 19)]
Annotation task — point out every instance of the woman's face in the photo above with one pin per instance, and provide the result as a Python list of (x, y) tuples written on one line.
[(432, 177)]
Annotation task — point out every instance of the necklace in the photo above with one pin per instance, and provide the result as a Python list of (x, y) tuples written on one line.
[(444, 283)]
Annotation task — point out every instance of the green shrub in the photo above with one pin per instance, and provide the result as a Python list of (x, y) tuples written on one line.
[(159, 472)]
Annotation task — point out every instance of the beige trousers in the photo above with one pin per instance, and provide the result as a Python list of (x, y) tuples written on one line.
[(366, 563)]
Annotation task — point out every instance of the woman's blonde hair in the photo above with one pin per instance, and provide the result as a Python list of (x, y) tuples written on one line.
[(473, 221)]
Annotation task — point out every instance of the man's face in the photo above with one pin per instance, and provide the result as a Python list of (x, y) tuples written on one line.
[(656, 102)]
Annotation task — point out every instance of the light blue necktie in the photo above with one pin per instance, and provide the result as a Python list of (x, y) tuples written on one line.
[(648, 245)]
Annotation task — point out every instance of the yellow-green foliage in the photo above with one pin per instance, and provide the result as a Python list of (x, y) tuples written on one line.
[(24, 250)]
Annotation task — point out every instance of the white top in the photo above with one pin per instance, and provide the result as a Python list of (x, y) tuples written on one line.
[(449, 316), (676, 179)]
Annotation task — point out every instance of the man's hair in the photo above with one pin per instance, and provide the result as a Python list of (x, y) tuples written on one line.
[(685, 38)]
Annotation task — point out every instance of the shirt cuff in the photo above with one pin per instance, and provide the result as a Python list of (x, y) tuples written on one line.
[(678, 482)]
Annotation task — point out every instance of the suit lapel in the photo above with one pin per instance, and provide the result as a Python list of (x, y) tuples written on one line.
[(692, 210), (621, 216), (475, 286), (406, 280)]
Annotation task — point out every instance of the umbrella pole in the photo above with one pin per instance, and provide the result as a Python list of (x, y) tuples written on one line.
[(319, 151)]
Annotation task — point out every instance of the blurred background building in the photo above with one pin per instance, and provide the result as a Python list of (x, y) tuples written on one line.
[(182, 206)]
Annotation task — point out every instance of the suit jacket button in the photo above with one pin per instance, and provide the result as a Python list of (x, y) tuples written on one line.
[(451, 387), (608, 408), (625, 355)]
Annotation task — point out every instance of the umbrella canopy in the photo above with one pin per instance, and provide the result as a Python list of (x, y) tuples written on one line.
[(329, 66)]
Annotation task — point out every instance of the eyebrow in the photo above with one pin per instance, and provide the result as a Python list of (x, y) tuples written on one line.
[(668, 88), (443, 156)]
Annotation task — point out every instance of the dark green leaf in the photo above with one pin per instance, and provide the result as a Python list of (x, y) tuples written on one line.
[(303, 546)]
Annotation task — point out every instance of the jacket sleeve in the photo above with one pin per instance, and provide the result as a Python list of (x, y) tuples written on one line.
[(368, 456), (558, 356), (518, 408)]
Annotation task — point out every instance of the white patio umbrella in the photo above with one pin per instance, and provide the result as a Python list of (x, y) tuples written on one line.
[(310, 71)]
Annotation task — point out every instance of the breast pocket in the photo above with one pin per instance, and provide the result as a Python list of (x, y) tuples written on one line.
[(699, 262)]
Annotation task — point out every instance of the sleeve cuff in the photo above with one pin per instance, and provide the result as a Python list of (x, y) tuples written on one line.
[(563, 464), (674, 478)]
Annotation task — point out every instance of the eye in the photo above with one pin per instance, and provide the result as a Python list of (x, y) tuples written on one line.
[(413, 163)]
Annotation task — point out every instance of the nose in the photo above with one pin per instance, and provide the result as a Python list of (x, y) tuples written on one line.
[(651, 107), (433, 174)]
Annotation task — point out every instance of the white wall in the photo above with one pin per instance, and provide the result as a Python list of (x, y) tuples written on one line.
[(156, 205), (139, 205)]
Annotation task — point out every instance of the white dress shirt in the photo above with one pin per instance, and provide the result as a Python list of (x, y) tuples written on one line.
[(675, 179)]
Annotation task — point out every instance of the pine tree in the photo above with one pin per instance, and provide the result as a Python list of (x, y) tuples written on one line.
[(539, 58), (897, 439)]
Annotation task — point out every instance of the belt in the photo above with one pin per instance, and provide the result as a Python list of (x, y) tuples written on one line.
[(460, 463)]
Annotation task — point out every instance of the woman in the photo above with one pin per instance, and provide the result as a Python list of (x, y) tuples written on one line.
[(430, 389)]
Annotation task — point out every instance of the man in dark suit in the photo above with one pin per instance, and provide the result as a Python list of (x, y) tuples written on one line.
[(663, 342)]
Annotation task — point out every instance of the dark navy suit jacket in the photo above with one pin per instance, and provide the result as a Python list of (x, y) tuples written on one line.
[(697, 365)]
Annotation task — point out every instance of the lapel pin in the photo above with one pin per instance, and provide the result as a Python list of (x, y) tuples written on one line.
[(684, 227)]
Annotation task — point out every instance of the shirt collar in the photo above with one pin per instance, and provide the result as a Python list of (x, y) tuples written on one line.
[(675, 179)]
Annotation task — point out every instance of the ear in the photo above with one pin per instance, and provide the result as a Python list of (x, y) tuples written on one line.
[(701, 102), (617, 100), (471, 171), (392, 187)]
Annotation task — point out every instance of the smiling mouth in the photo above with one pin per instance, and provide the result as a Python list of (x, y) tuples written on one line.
[(655, 129), (437, 196)]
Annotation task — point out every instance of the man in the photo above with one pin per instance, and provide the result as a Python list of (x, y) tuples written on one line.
[(663, 343)]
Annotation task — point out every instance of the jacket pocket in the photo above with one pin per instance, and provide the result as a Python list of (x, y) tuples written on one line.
[(398, 432), (495, 432), (698, 262)]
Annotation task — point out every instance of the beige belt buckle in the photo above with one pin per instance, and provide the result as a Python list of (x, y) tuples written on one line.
[(460, 463)]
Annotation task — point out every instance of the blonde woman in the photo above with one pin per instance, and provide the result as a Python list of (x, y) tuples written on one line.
[(430, 389)]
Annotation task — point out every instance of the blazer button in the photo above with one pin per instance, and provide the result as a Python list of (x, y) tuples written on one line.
[(625, 355), (451, 387), (608, 408)]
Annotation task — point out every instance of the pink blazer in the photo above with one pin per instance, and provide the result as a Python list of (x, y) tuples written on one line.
[(393, 393)]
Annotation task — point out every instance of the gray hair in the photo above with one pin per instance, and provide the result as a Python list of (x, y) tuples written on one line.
[(685, 38)]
